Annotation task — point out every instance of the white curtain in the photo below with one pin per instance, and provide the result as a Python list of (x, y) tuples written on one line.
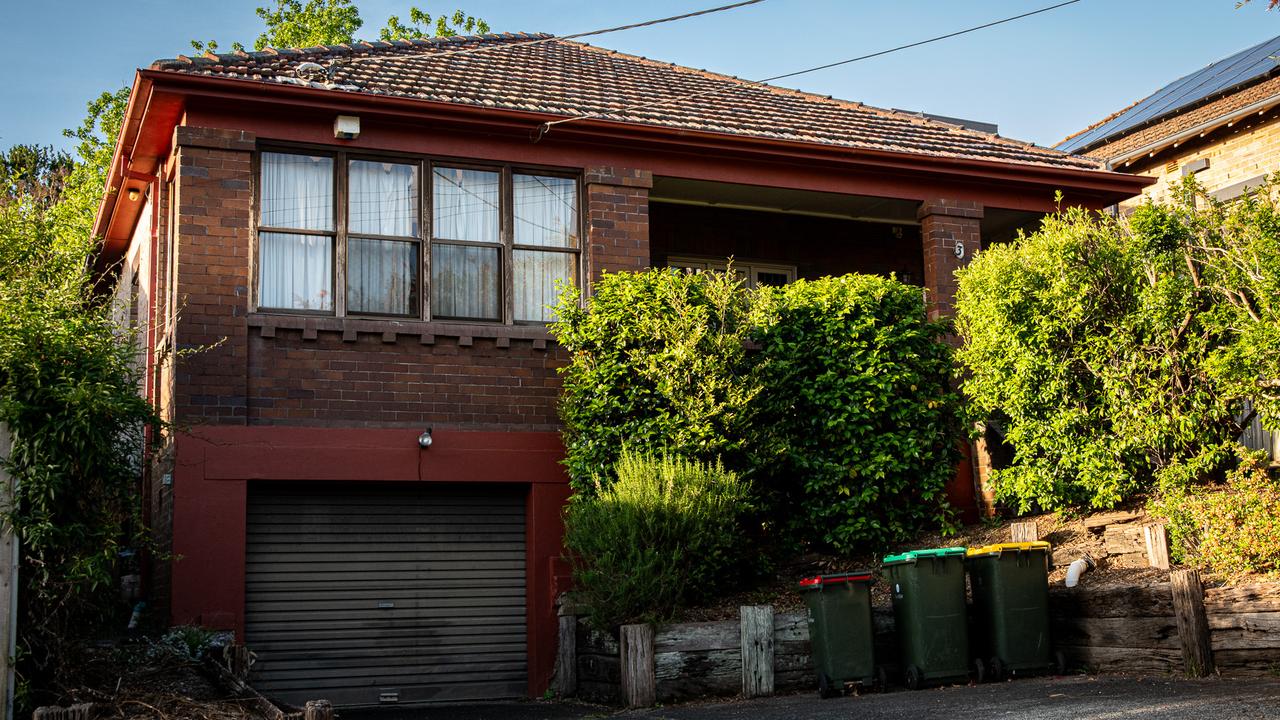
[(297, 191), (295, 271), (536, 274), (465, 204), (384, 199), (465, 282), (381, 276), (546, 211), (546, 214)]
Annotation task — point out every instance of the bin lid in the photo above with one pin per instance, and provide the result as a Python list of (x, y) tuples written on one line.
[(817, 581), (998, 548), (913, 555)]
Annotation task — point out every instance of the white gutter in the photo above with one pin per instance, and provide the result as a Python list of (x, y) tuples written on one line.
[(1257, 107)]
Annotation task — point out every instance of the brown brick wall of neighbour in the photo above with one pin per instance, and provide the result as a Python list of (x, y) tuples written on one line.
[(617, 219), (943, 225), (1235, 155)]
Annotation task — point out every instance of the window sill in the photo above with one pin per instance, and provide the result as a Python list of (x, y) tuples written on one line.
[(392, 330)]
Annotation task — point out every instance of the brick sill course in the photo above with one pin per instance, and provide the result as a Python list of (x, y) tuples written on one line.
[(391, 330)]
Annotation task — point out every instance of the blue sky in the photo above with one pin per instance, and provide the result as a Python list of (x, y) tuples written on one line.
[(1039, 79)]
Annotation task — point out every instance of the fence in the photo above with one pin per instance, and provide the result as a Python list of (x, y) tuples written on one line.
[(1173, 627)]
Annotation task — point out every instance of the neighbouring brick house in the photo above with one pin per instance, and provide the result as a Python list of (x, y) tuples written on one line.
[(1220, 124), (336, 249)]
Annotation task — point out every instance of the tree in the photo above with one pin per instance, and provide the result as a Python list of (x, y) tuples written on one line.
[(33, 172), (1087, 344), (334, 22)]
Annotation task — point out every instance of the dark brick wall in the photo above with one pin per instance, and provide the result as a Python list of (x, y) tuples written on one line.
[(816, 246), (214, 205), (235, 370), (366, 381), (617, 205)]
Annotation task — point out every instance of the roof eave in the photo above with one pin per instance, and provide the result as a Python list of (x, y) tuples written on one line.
[(1099, 180)]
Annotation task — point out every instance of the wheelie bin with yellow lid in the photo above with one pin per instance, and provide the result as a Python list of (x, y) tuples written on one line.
[(1010, 584)]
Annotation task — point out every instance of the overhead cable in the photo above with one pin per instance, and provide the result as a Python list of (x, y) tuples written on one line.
[(545, 127)]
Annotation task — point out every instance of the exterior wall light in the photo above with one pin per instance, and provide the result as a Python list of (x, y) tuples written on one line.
[(424, 440), (346, 127)]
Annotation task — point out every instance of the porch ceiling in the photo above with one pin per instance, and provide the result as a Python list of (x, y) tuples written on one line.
[(771, 199)]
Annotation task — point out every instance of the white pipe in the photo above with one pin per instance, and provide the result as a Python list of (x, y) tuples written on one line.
[(1078, 568)]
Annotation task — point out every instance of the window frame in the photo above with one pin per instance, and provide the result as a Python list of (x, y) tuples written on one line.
[(426, 240), (748, 268)]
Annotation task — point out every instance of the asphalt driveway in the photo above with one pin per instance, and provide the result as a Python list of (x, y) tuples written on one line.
[(1066, 698)]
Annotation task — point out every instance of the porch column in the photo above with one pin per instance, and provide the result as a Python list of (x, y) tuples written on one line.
[(617, 219), (951, 233)]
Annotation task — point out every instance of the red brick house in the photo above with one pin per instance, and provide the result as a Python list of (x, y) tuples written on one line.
[(360, 240)]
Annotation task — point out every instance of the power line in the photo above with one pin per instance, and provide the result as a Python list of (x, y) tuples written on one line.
[(574, 36), (544, 128)]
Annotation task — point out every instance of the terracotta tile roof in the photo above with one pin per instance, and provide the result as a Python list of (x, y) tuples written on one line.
[(565, 78), (1168, 127)]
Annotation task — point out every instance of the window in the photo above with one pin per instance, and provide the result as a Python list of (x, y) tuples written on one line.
[(752, 273), (345, 235)]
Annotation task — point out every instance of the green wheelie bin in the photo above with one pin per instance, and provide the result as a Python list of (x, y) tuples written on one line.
[(1010, 583), (930, 615), (840, 631)]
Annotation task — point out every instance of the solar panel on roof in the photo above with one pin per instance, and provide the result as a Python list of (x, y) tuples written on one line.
[(1241, 68)]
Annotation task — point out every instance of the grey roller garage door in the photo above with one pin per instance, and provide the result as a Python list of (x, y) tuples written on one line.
[(377, 593)]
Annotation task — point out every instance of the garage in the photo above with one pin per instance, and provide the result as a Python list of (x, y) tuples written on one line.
[(386, 593)]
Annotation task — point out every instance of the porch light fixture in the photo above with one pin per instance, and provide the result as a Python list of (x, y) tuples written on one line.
[(424, 440), (134, 194), (346, 127)]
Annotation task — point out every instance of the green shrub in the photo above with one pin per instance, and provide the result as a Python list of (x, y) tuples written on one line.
[(657, 360), (664, 534), (1086, 344), (857, 430), (1228, 529)]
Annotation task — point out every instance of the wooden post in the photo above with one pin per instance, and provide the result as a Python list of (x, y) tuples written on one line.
[(1025, 531), (567, 657), (317, 710), (756, 626), (1193, 626), (639, 682), (1157, 545)]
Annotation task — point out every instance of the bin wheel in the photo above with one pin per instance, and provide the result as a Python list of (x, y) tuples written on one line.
[(914, 678), (882, 679), (979, 671), (1059, 663), (996, 669), (826, 688)]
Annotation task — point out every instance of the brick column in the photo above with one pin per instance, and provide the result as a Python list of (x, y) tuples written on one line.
[(214, 207), (617, 219), (944, 226)]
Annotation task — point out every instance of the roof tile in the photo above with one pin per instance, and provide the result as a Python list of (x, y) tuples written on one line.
[(565, 78)]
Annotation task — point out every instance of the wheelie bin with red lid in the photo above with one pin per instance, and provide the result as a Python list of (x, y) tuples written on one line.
[(840, 630)]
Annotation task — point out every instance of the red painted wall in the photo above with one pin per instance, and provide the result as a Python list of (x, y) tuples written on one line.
[(215, 464)]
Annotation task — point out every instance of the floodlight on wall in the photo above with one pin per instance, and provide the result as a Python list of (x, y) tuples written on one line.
[(346, 127), (424, 440)]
